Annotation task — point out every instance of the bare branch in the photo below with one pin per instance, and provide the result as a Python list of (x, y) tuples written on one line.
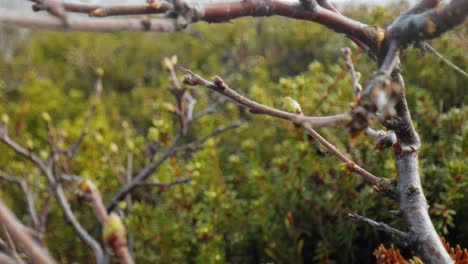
[(58, 192), (88, 24), (71, 151), (382, 226), (21, 234), (28, 154), (355, 76), (113, 10), (410, 27), (381, 184), (117, 240), (210, 108), (165, 185), (172, 149), (79, 230), (5, 259), (144, 173), (10, 245), (212, 12), (219, 86), (306, 122), (28, 195), (446, 61), (194, 145)]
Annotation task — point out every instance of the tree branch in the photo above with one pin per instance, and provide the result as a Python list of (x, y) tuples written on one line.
[(116, 237), (427, 22), (210, 12), (382, 226), (58, 192), (219, 86), (306, 122), (165, 185), (172, 149), (28, 195), (21, 234)]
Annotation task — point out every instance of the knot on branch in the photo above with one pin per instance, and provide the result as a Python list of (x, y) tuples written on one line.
[(387, 188), (376, 35), (184, 13), (261, 6), (385, 141), (381, 96), (219, 83), (309, 4), (146, 23), (359, 121), (412, 190)]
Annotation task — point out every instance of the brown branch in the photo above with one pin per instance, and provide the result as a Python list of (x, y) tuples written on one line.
[(118, 240), (21, 234), (306, 122), (219, 86), (212, 12), (380, 183), (326, 4)]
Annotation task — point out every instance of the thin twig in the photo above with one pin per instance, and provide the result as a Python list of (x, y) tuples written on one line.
[(446, 61), (355, 76), (381, 226), (28, 195), (371, 178), (10, 244), (57, 190), (165, 185), (210, 108), (194, 145), (172, 149)]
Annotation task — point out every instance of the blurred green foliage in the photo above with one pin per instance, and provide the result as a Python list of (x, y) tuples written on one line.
[(262, 193)]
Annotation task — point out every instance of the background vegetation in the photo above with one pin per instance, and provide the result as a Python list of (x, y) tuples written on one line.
[(262, 193)]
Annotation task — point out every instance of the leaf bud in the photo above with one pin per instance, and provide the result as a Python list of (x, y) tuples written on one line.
[(292, 105)]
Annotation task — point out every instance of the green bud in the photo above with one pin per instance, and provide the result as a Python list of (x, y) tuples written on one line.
[(46, 117), (5, 119), (114, 148), (153, 134), (100, 72), (292, 105), (114, 229)]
